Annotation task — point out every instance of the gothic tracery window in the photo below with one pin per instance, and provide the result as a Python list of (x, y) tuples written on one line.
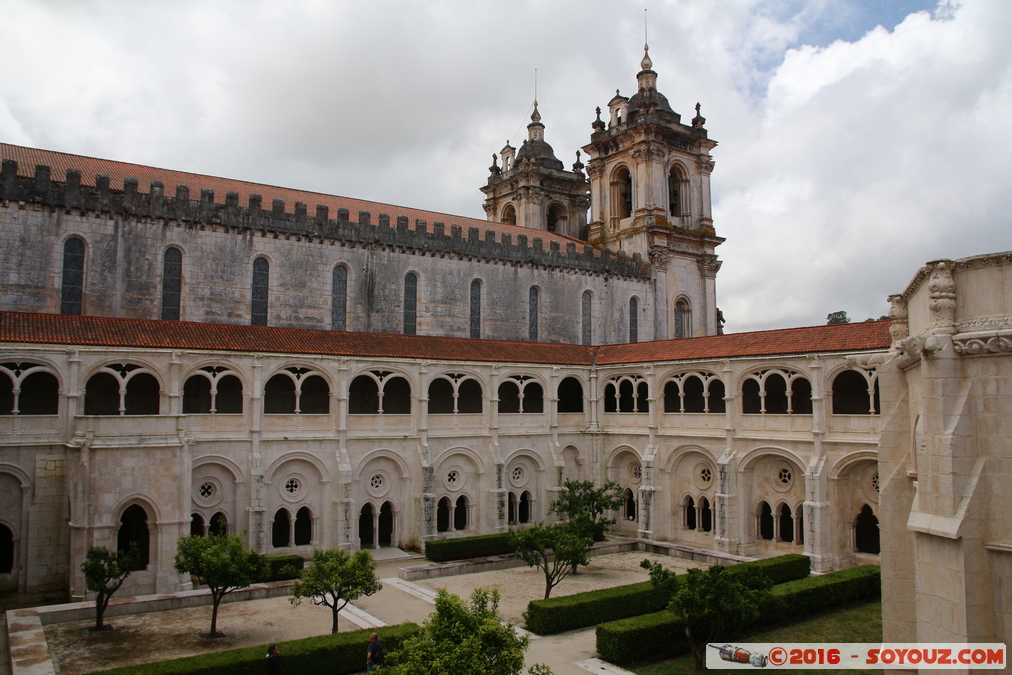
[(72, 288), (261, 284), (410, 303), (172, 283), (339, 298), (475, 314)]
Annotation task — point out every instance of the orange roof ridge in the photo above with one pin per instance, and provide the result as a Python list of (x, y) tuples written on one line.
[(33, 328)]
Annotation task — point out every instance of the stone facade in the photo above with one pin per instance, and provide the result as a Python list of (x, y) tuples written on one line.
[(944, 455)]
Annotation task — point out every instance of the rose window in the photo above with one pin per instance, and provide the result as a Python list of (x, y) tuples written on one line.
[(206, 490), (518, 474), (376, 482), (637, 471), (784, 476), (452, 477), (874, 482), (292, 486), (705, 474)]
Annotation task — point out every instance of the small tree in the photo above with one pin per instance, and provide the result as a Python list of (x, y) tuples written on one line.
[(222, 563), (555, 549), (464, 639), (582, 500), (104, 572), (334, 578), (713, 602), (837, 317)]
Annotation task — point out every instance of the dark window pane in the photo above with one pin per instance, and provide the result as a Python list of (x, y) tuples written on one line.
[(475, 309), (410, 304), (261, 287), (585, 313), (72, 288), (339, 299), (532, 314), (634, 322), (172, 284)]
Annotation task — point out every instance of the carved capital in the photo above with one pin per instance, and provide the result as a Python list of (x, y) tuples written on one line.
[(943, 296), (595, 169), (708, 266), (705, 164), (660, 256)]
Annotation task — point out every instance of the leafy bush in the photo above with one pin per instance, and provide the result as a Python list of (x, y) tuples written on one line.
[(284, 567), (444, 550), (635, 638), (326, 654), (555, 615), (546, 617)]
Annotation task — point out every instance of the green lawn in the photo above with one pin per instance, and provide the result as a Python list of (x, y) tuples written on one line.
[(862, 623)]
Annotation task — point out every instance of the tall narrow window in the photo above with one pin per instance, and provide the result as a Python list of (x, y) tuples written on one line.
[(588, 335), (634, 321), (261, 280), (72, 289), (410, 303), (339, 299), (172, 283), (683, 323), (532, 315), (475, 309)]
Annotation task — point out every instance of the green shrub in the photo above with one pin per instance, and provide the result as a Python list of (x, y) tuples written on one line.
[(285, 567), (326, 654), (628, 640), (443, 550), (633, 639), (555, 615)]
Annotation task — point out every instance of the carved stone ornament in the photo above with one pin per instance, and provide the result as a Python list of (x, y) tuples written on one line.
[(943, 297), (660, 256), (972, 344), (910, 351), (705, 163), (899, 329), (709, 266)]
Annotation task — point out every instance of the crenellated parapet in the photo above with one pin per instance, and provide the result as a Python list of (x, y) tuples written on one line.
[(198, 207)]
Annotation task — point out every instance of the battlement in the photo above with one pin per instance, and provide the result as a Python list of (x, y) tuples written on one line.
[(198, 207)]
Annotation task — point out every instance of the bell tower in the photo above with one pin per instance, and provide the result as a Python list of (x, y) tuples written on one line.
[(533, 189), (650, 194)]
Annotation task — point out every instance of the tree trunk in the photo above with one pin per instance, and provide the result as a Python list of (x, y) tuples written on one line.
[(333, 626), (101, 602), (216, 599)]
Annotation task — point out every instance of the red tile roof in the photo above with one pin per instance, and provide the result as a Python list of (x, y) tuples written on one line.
[(60, 162), (22, 327)]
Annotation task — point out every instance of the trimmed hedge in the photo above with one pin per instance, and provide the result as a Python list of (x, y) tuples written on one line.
[(444, 550), (555, 615), (323, 655), (627, 640), (279, 563)]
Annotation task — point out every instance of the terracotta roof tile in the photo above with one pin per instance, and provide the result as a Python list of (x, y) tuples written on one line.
[(60, 162), (23, 327)]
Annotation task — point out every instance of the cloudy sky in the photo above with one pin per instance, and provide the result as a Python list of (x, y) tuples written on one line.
[(858, 138)]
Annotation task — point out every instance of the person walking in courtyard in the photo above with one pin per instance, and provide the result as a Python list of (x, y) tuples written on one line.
[(373, 653), (273, 661)]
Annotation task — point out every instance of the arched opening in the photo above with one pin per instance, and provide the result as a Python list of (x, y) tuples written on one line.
[(40, 395), (626, 397), (524, 508), (610, 398), (532, 314), (509, 397), (776, 394), (197, 395), (676, 190), (314, 396), (303, 527), (6, 394), (281, 531), (260, 291), (339, 298), (101, 395), (365, 530), (279, 395), (751, 401), (443, 515), (850, 394), (801, 523), (228, 400), (460, 513), (672, 398), (410, 303), (474, 323), (558, 221), (396, 397), (386, 524), (133, 530), (683, 323), (689, 506), (705, 515), (142, 396), (440, 397), (629, 511), (715, 399), (469, 395), (866, 534), (801, 396), (693, 400), (511, 508), (172, 283), (570, 396), (634, 320), (766, 529), (363, 396), (621, 193), (534, 398), (197, 525), (218, 525), (6, 550), (72, 287), (786, 523), (509, 215), (642, 398)]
